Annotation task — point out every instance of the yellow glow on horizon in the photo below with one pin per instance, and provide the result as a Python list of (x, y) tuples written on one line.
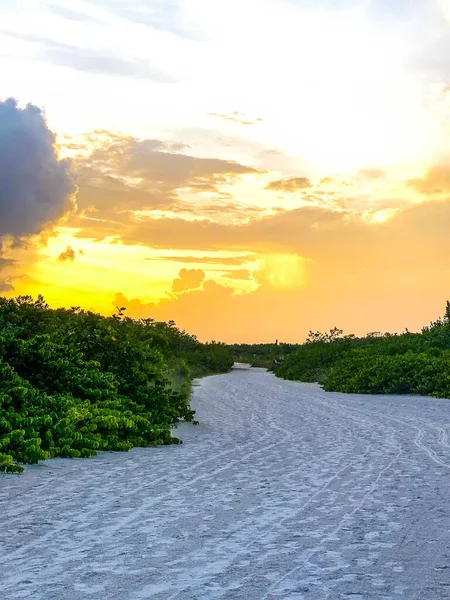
[(103, 269)]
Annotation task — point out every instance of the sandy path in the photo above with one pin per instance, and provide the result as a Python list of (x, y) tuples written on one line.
[(282, 491)]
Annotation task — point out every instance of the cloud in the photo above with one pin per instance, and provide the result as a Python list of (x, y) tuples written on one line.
[(67, 255), (289, 185), (36, 189), (5, 282), (236, 117), (341, 246), (72, 15), (159, 14), (371, 174), (238, 274), (188, 279), (358, 276), (309, 230), (219, 260), (151, 160), (110, 197), (435, 181), (5, 286), (159, 163), (123, 175), (429, 56), (89, 60), (288, 230), (5, 262)]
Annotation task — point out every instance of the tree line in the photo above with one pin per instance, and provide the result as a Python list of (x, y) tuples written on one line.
[(405, 363)]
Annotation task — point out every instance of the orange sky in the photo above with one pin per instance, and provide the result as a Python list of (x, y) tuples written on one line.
[(250, 170)]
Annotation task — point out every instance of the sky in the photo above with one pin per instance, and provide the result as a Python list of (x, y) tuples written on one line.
[(250, 169)]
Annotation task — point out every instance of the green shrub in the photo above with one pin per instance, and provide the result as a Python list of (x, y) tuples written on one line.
[(410, 373), (73, 382), (408, 363)]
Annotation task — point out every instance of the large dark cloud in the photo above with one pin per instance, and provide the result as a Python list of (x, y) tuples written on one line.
[(36, 189)]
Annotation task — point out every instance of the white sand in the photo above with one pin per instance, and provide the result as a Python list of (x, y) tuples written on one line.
[(282, 491)]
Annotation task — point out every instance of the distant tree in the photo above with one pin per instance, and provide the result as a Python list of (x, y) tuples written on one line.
[(441, 321), (447, 312), (317, 336)]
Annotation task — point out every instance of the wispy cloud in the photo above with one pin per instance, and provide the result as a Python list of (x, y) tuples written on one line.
[(91, 60), (292, 184), (205, 260), (72, 15), (236, 117), (238, 274)]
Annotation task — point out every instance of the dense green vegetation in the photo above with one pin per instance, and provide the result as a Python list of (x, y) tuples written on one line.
[(261, 355), (407, 363), (73, 382)]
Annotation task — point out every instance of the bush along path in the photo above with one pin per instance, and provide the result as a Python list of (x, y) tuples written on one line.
[(407, 363), (73, 382)]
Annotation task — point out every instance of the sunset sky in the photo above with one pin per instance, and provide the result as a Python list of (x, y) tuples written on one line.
[(251, 169)]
